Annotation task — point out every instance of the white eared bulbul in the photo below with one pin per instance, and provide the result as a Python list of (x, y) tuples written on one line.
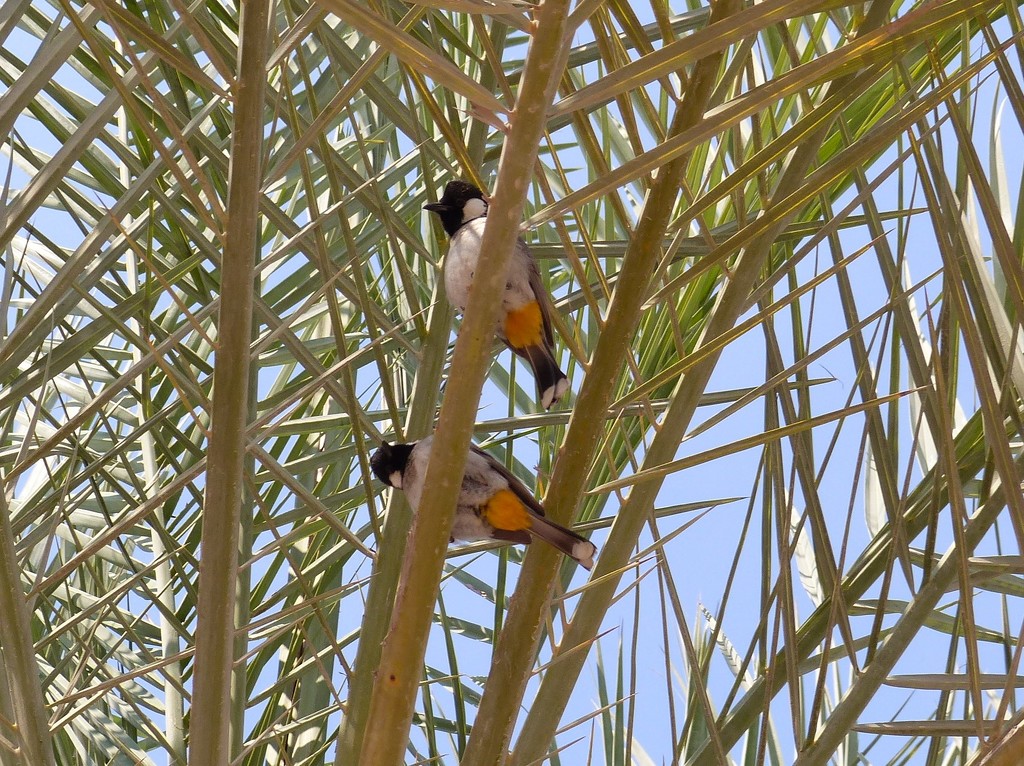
[(493, 504), (525, 326)]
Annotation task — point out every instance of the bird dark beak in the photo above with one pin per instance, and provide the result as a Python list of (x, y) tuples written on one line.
[(436, 207)]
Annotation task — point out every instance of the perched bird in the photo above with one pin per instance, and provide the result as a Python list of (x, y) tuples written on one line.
[(493, 504), (525, 326)]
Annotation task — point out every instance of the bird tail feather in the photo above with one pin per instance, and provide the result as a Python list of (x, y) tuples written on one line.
[(568, 542), (552, 383)]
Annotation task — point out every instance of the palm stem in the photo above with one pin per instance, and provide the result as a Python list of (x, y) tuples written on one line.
[(212, 709), (401, 659)]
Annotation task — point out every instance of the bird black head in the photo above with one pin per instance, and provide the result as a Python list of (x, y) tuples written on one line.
[(389, 460), (461, 202)]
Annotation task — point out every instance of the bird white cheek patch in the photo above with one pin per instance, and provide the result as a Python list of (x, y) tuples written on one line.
[(396, 479), (474, 208)]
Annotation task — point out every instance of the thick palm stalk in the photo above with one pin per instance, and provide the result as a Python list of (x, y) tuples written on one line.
[(387, 567), (19, 652), (1006, 751), (212, 705), (516, 648), (399, 672), (540, 725)]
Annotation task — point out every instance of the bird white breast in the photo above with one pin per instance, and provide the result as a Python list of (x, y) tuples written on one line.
[(396, 479), (468, 526), (460, 263)]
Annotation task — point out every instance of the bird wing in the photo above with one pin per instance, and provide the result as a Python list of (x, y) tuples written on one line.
[(568, 542), (514, 484), (539, 291), (519, 536)]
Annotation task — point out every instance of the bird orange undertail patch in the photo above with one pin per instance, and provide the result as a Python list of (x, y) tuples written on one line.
[(506, 511), (524, 326)]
